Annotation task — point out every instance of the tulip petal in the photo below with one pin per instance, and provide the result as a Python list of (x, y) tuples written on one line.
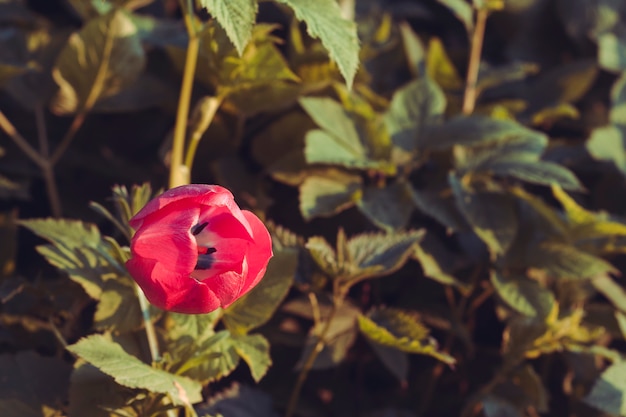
[(170, 291), (167, 238), (259, 252)]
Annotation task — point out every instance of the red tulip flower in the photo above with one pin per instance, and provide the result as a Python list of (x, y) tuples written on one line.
[(195, 250)]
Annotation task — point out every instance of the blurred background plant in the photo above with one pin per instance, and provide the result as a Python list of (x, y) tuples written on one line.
[(442, 180)]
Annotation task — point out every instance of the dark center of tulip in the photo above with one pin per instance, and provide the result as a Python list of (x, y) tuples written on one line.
[(205, 258), (205, 254)]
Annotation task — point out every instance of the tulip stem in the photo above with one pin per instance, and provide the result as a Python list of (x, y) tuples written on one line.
[(179, 173), (153, 343)]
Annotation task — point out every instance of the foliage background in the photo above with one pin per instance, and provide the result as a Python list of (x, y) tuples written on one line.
[(449, 236)]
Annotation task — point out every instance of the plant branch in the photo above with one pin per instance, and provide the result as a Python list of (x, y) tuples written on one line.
[(212, 104), (308, 364), (180, 173), (19, 140), (471, 92)]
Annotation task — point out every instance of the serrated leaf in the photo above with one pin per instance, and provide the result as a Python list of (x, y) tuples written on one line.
[(97, 62), (323, 254), (401, 330), (130, 372), (609, 391), (255, 351), (540, 172), (375, 255), (236, 17), (523, 295), (338, 35), (328, 193), (211, 360), (190, 328), (413, 107), (78, 249), (493, 216), (389, 207), (565, 261), (93, 393), (257, 307)]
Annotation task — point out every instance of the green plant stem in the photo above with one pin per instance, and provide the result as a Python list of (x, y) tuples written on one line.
[(308, 364), (179, 172), (153, 343), (211, 110), (471, 92)]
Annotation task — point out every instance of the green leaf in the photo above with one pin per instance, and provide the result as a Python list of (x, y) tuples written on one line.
[(130, 372), (93, 393), (255, 351), (608, 143), (609, 391), (338, 35), (237, 17), (324, 255), (338, 337), (375, 255), (565, 261), (523, 295), (396, 362), (540, 172), (493, 216), (190, 328), (437, 262), (401, 330), (413, 107), (471, 131), (438, 203), (97, 62), (258, 306), (78, 249), (328, 193), (389, 207)]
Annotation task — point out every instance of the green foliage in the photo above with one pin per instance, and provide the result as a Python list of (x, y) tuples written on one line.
[(111, 359), (259, 305), (98, 62), (435, 195), (401, 330)]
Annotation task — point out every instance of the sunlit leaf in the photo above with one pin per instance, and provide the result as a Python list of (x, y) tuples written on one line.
[(78, 249), (328, 194), (609, 391), (493, 216), (236, 17), (401, 330), (565, 261), (523, 295), (440, 68), (255, 351), (257, 307), (338, 35), (98, 62), (130, 372)]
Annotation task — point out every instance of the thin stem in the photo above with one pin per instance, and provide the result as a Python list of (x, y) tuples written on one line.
[(179, 173), (19, 140), (69, 136), (210, 111), (42, 131), (52, 190), (308, 364), (471, 92), (153, 343)]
